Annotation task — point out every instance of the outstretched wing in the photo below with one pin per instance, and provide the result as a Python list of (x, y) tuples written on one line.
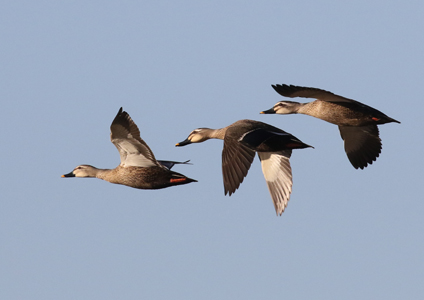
[(278, 176), (294, 91), (125, 135), (362, 144), (236, 161)]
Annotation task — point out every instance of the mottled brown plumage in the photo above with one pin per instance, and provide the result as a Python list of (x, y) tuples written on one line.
[(138, 168), (357, 122), (242, 140)]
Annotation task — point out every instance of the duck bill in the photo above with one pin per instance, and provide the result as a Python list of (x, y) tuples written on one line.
[(269, 111), (183, 143), (69, 175)]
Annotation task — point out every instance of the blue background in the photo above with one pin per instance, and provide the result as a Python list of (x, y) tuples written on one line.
[(66, 67)]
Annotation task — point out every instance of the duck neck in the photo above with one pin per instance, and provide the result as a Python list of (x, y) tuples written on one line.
[(103, 174), (302, 108), (217, 133)]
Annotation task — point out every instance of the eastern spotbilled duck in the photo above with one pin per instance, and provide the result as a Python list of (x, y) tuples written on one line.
[(357, 122), (242, 140), (138, 168)]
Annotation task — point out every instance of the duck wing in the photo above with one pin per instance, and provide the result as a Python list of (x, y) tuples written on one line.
[(278, 175), (362, 144), (293, 91), (236, 161), (125, 135)]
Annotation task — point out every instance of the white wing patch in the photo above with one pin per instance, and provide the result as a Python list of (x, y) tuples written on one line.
[(277, 172), (131, 155)]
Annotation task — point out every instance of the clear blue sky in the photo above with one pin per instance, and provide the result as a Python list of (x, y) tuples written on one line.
[(66, 68)]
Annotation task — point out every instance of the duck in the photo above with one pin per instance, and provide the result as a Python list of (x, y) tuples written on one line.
[(357, 122), (138, 167), (242, 140)]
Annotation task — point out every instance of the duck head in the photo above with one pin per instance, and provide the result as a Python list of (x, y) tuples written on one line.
[(196, 136), (83, 171), (283, 108)]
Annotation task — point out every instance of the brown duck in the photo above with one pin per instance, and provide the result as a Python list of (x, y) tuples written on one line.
[(242, 140), (138, 168), (357, 122)]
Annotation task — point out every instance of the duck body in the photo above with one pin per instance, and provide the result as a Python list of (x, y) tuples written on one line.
[(344, 113), (138, 168), (242, 140), (135, 177), (262, 137), (357, 122)]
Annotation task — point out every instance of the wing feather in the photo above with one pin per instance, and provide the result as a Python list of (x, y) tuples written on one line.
[(125, 135), (236, 161), (293, 91), (278, 176), (362, 144)]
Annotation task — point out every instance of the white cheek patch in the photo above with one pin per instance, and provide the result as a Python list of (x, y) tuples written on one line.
[(280, 110), (196, 138), (80, 173)]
